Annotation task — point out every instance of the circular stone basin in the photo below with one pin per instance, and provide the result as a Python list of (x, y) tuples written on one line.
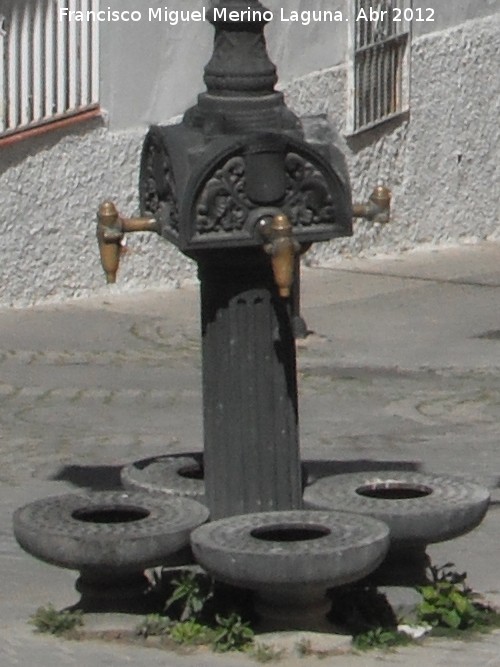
[(109, 533), (419, 508), (291, 558), (169, 474)]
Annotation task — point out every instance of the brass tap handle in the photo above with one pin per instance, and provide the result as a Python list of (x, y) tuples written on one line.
[(378, 207), (111, 229), (282, 248)]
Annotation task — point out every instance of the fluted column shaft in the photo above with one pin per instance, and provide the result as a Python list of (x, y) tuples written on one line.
[(251, 450)]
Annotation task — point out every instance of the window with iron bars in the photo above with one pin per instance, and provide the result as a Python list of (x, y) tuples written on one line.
[(379, 61), (49, 68)]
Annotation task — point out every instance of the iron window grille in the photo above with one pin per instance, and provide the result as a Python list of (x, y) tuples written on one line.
[(49, 68), (379, 62)]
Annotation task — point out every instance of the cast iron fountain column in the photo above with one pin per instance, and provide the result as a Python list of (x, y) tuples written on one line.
[(251, 449), (242, 186)]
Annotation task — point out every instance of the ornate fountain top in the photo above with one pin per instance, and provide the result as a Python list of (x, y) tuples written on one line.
[(240, 152)]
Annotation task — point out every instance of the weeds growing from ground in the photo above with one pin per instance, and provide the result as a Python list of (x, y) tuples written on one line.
[(197, 612), (191, 632), (193, 616), (51, 621), (232, 633), (154, 625), (380, 638), (190, 596), (264, 653), (449, 606)]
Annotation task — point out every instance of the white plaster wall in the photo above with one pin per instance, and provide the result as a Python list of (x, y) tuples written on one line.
[(48, 205), (443, 164), (442, 167)]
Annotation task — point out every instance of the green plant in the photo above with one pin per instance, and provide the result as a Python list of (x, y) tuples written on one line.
[(381, 638), (49, 620), (232, 633), (154, 625), (190, 632), (265, 653), (190, 595), (489, 618), (447, 602)]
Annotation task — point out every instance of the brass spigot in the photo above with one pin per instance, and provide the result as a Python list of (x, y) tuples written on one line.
[(378, 207), (283, 248), (111, 229)]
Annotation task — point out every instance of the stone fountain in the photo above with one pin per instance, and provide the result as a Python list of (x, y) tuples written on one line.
[(242, 186), (110, 537), (419, 508)]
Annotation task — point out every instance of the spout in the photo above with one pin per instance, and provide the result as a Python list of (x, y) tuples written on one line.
[(282, 248), (109, 237), (378, 207), (111, 229)]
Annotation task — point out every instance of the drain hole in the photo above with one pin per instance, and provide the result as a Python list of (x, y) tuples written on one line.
[(394, 491), (111, 514), (289, 533), (192, 472)]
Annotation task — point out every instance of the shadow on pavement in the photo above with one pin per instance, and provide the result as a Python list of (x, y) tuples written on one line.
[(95, 478)]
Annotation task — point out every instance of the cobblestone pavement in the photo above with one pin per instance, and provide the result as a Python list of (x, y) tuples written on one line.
[(402, 370)]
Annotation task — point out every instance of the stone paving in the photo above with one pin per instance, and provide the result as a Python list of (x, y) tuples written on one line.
[(402, 370)]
